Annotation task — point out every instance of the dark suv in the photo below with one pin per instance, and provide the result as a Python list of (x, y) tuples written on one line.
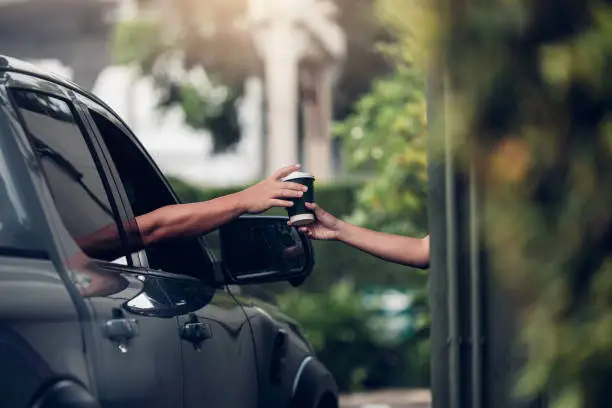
[(166, 326)]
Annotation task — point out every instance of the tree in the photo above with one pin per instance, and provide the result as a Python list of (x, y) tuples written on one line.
[(207, 34), (194, 35), (531, 104), (387, 135)]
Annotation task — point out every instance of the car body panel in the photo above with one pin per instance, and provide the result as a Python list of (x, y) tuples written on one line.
[(147, 369), (40, 334), (224, 356)]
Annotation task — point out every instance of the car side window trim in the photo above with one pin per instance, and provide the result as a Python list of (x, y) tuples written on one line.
[(109, 171), (139, 259), (29, 83)]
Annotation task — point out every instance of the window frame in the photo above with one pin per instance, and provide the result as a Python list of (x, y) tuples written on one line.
[(87, 104)]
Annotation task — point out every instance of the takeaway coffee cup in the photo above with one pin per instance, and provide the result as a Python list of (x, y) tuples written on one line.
[(299, 215)]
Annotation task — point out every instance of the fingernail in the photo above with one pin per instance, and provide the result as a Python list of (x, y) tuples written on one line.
[(305, 188)]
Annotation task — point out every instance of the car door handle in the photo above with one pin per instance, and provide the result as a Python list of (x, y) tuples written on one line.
[(195, 331), (121, 329)]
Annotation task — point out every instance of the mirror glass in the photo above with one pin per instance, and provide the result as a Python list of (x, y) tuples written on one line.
[(261, 248)]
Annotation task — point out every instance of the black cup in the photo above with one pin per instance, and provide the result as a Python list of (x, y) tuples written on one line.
[(299, 214)]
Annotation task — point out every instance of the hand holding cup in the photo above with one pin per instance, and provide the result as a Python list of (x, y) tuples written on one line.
[(271, 192), (300, 214)]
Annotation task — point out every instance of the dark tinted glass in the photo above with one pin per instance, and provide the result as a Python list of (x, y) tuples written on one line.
[(16, 234), (253, 246), (146, 192), (71, 173)]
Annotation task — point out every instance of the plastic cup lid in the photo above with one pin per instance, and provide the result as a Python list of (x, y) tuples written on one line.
[(297, 175)]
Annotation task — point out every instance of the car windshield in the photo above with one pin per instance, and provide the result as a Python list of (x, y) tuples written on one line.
[(16, 234)]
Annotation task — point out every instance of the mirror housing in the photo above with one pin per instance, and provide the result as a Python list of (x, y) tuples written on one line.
[(264, 249)]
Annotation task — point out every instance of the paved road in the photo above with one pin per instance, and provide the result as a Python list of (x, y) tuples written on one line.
[(388, 399)]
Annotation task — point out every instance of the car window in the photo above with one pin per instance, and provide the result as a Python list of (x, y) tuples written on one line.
[(72, 174), (17, 237), (147, 191)]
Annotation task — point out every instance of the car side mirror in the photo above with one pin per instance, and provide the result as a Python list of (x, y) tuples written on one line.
[(263, 249)]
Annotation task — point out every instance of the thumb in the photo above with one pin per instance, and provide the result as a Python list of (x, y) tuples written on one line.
[(317, 210)]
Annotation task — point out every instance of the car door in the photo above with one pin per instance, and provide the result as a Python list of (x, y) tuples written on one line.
[(131, 343), (219, 366), (40, 330)]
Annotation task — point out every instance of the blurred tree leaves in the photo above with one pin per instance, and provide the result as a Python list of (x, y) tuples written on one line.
[(387, 135), (172, 41), (363, 61), (208, 35), (336, 322), (530, 103)]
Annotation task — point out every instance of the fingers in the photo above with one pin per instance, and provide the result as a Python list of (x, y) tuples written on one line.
[(284, 171), (317, 210), (289, 193), (307, 231), (280, 203), (292, 186)]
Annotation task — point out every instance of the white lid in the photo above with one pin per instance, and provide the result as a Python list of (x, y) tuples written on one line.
[(297, 175), (300, 220)]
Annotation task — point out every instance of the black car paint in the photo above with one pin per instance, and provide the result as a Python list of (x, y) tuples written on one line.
[(55, 308)]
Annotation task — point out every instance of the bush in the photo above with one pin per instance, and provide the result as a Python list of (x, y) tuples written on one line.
[(337, 324)]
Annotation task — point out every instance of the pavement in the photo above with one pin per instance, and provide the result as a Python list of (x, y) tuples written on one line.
[(388, 399)]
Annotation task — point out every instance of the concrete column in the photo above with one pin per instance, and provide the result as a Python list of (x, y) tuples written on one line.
[(281, 76), (317, 121)]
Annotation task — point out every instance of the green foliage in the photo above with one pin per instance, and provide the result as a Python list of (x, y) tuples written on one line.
[(192, 35), (220, 117), (206, 35), (536, 122), (387, 135), (363, 62), (137, 41), (336, 322)]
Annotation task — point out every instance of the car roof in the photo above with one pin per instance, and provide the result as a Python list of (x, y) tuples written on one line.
[(10, 64)]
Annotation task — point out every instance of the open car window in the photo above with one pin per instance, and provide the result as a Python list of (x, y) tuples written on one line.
[(147, 191)]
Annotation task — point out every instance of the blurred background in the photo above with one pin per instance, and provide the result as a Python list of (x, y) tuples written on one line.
[(514, 134), (222, 92)]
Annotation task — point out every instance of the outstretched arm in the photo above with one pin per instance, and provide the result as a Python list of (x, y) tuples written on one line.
[(193, 219), (394, 248)]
